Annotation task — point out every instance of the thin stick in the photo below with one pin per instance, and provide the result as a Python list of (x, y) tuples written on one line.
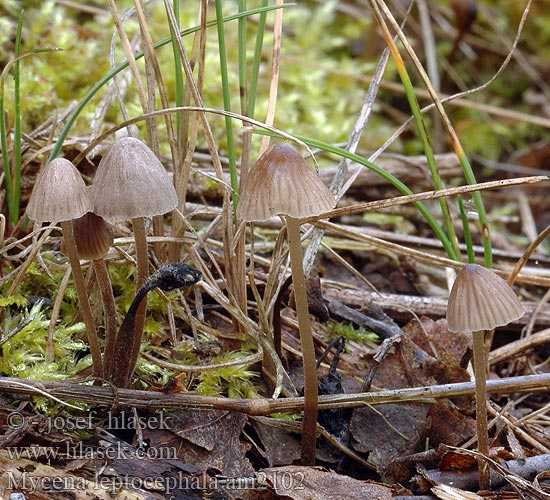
[(104, 396), (277, 31)]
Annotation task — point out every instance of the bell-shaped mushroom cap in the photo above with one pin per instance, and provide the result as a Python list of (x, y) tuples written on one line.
[(281, 182), (60, 194), (131, 182), (481, 300), (93, 236)]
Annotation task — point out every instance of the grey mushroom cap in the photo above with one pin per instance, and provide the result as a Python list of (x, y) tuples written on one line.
[(281, 182), (131, 182), (60, 194), (481, 300)]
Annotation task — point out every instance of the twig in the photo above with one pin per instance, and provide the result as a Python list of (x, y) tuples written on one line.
[(104, 396)]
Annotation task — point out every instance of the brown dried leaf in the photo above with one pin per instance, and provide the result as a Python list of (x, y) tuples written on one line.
[(389, 431), (314, 483), (449, 425), (211, 440)]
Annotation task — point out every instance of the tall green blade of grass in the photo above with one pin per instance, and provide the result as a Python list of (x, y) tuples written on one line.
[(16, 192), (123, 65), (241, 54), (394, 181), (467, 234), (12, 176), (9, 181), (377, 7), (422, 132), (226, 92)]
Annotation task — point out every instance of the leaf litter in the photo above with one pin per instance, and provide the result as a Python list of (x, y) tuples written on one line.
[(374, 451)]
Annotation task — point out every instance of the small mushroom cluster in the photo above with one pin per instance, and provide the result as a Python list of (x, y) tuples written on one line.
[(130, 183)]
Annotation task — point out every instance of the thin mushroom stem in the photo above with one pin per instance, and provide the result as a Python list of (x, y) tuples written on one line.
[(83, 301), (142, 261), (309, 422), (109, 313), (480, 367)]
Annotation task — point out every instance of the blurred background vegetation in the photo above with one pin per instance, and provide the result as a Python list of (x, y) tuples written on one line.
[(329, 52)]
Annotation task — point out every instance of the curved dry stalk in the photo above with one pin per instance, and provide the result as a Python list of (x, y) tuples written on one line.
[(274, 84), (106, 397), (245, 360), (427, 195), (202, 111)]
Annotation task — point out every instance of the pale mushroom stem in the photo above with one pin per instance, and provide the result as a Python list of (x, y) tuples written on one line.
[(109, 313), (309, 422), (83, 301), (142, 262), (480, 365)]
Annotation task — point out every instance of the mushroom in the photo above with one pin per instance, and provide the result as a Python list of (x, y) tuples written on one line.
[(168, 277), (60, 195), (481, 300), (131, 183), (281, 182), (93, 237)]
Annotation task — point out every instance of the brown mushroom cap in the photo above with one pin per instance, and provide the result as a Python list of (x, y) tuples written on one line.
[(93, 236), (60, 194), (281, 182), (131, 182), (481, 300)]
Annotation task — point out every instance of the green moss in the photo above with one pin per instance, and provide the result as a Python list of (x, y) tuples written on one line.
[(233, 381), (350, 332), (23, 355)]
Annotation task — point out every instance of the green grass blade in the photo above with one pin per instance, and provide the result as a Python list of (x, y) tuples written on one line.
[(394, 181), (243, 91), (123, 65), (16, 192), (467, 233), (428, 151)]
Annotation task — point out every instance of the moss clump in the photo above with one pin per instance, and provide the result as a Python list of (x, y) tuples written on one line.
[(24, 354), (351, 332)]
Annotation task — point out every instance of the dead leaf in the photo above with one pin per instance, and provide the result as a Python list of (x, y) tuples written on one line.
[(389, 431), (314, 483)]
